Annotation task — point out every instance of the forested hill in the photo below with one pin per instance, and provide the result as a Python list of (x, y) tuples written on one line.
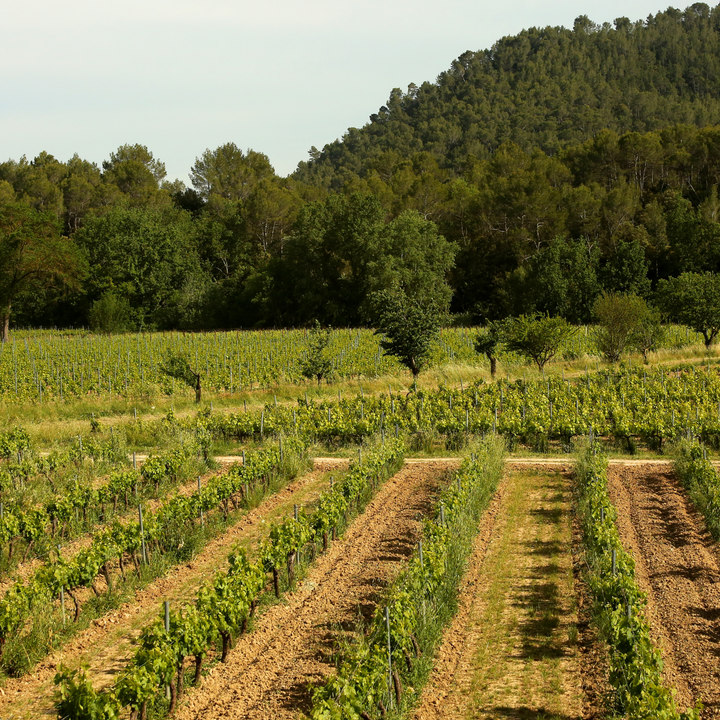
[(534, 177), (544, 88)]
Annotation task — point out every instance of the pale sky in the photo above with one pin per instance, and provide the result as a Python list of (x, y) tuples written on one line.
[(86, 76)]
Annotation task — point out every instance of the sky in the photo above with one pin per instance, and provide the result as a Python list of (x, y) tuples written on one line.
[(277, 76)]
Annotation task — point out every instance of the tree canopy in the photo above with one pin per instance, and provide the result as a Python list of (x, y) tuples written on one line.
[(693, 299), (531, 177), (408, 328)]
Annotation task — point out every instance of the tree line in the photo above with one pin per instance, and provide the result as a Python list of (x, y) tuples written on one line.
[(518, 224)]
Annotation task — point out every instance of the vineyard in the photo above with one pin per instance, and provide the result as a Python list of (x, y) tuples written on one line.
[(465, 549), (43, 366)]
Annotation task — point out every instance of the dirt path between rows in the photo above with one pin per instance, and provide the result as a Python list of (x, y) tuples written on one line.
[(268, 673), (678, 566), (510, 652), (107, 644)]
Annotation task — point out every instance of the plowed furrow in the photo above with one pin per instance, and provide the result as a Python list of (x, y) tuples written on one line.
[(268, 672), (677, 564)]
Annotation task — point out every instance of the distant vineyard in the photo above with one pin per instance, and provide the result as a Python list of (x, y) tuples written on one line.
[(46, 365)]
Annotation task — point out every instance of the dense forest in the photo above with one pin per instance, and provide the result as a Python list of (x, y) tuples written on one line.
[(529, 177)]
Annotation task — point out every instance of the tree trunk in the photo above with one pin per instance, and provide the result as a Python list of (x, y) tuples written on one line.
[(493, 366), (180, 680), (27, 550), (75, 602), (398, 687), (198, 390), (173, 699), (106, 573), (5, 324), (276, 582), (198, 670)]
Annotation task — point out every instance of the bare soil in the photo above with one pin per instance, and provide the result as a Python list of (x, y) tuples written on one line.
[(678, 566), (108, 643), (269, 671)]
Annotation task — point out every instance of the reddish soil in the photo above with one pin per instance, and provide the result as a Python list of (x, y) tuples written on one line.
[(678, 566), (268, 672)]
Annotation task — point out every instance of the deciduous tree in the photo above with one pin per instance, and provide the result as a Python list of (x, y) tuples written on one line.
[(693, 299), (538, 337), (32, 250)]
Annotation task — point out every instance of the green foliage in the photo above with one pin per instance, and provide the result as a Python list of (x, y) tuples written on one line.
[(650, 333), (408, 327), (318, 362), (145, 255), (222, 606), (693, 299), (178, 367), (529, 177), (621, 321), (111, 313), (488, 344), (77, 700), (562, 278), (13, 442), (32, 253), (699, 477), (413, 259), (537, 337), (421, 600), (545, 88), (229, 173), (160, 527), (635, 664)]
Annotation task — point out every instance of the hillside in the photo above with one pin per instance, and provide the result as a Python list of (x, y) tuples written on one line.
[(544, 88), (531, 177)]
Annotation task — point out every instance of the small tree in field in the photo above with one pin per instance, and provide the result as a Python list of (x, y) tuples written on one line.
[(409, 328), (488, 344), (178, 367), (693, 299), (649, 334), (619, 318), (318, 363), (537, 337)]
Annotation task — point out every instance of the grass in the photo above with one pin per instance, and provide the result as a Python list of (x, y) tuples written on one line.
[(523, 664)]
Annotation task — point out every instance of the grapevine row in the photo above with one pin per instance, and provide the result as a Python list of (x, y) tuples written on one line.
[(32, 523), (42, 366), (635, 664), (418, 604), (159, 531), (223, 605), (701, 481), (613, 405)]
